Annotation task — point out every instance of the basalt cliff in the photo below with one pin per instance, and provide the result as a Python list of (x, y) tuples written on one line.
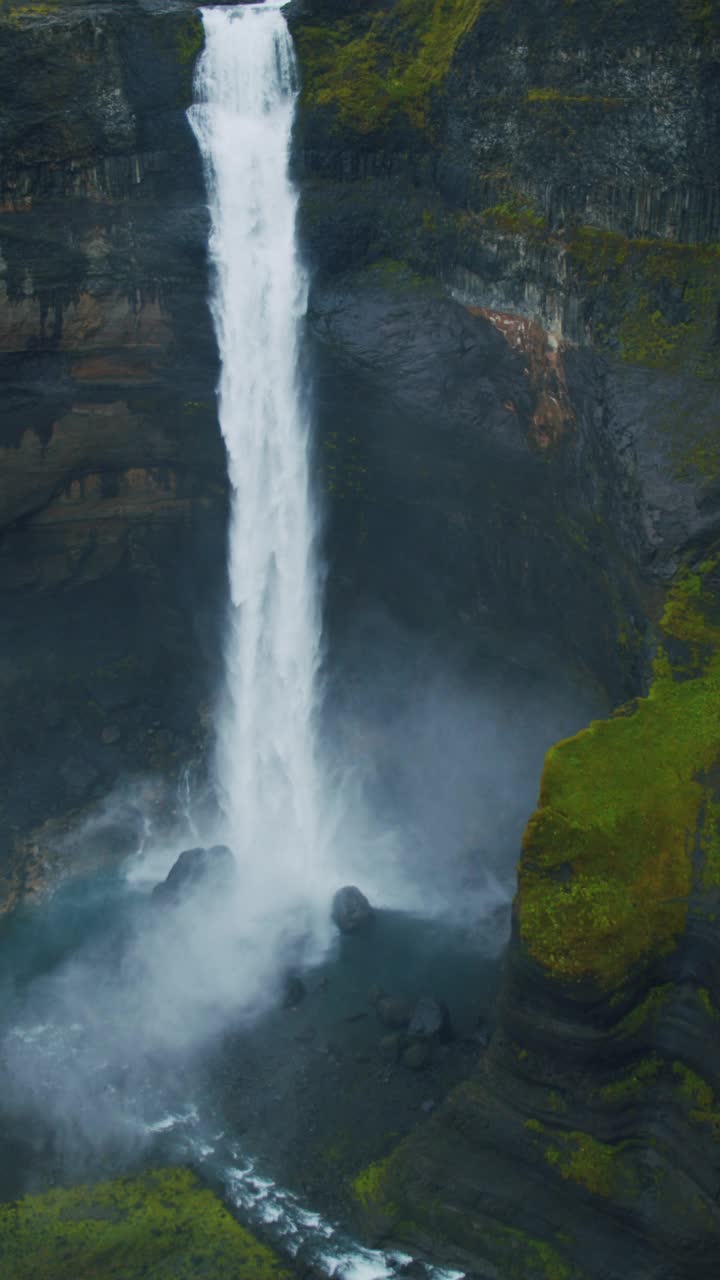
[(511, 216), (513, 213)]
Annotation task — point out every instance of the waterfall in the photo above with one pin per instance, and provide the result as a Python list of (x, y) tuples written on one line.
[(266, 764)]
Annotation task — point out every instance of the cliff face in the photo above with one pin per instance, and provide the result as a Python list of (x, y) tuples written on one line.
[(545, 168), (513, 216), (112, 473)]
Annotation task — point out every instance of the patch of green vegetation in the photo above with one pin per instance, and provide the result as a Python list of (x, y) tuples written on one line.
[(534, 1125), (555, 97), (190, 38), (582, 1159), (710, 845), (369, 1186), (163, 1224), (633, 1083), (523, 1257), (659, 298), (693, 1088), (393, 273), (703, 456), (707, 1003), (16, 14), (517, 215), (699, 1096), (607, 864), (646, 1013), (370, 67)]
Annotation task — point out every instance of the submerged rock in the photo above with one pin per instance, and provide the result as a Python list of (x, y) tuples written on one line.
[(351, 910), (198, 868)]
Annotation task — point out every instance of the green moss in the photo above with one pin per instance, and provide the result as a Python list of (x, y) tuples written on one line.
[(164, 1225), (523, 1257), (633, 1083), (582, 1159), (658, 298), (395, 274), (190, 38), (369, 1186), (517, 215), (16, 14), (554, 97), (710, 845), (707, 1003), (699, 1096), (371, 67), (692, 1086), (607, 863)]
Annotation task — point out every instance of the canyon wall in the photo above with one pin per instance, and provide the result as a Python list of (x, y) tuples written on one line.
[(512, 211), (112, 470), (510, 216)]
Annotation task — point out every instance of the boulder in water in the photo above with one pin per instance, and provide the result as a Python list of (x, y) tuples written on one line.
[(198, 868), (431, 1020), (351, 910)]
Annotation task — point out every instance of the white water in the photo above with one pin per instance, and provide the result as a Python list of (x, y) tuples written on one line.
[(266, 765)]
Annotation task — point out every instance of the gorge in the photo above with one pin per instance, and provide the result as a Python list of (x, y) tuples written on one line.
[(486, 461)]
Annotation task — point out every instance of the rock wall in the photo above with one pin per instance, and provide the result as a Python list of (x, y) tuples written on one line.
[(513, 224), (510, 214), (112, 470)]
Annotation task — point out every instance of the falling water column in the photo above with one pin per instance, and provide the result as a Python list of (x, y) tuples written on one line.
[(267, 769)]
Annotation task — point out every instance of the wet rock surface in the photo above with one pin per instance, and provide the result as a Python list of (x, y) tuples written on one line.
[(351, 910), (211, 870), (318, 1092), (112, 496)]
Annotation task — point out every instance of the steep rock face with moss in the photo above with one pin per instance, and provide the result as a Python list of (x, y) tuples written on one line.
[(112, 473), (588, 1142), (544, 172), (549, 164)]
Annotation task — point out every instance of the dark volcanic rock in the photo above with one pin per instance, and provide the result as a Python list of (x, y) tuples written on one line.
[(196, 869), (431, 1020), (351, 910), (112, 470)]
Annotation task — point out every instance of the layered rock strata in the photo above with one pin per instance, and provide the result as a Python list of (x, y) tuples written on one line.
[(112, 472)]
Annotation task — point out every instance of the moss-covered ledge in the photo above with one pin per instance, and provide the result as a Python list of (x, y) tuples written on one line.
[(628, 818), (163, 1225), (587, 1143)]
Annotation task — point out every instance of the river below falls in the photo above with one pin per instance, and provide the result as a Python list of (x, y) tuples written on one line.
[(277, 1112)]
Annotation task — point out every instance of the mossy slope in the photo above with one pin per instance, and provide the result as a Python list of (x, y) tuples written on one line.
[(372, 67), (609, 856), (163, 1225)]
